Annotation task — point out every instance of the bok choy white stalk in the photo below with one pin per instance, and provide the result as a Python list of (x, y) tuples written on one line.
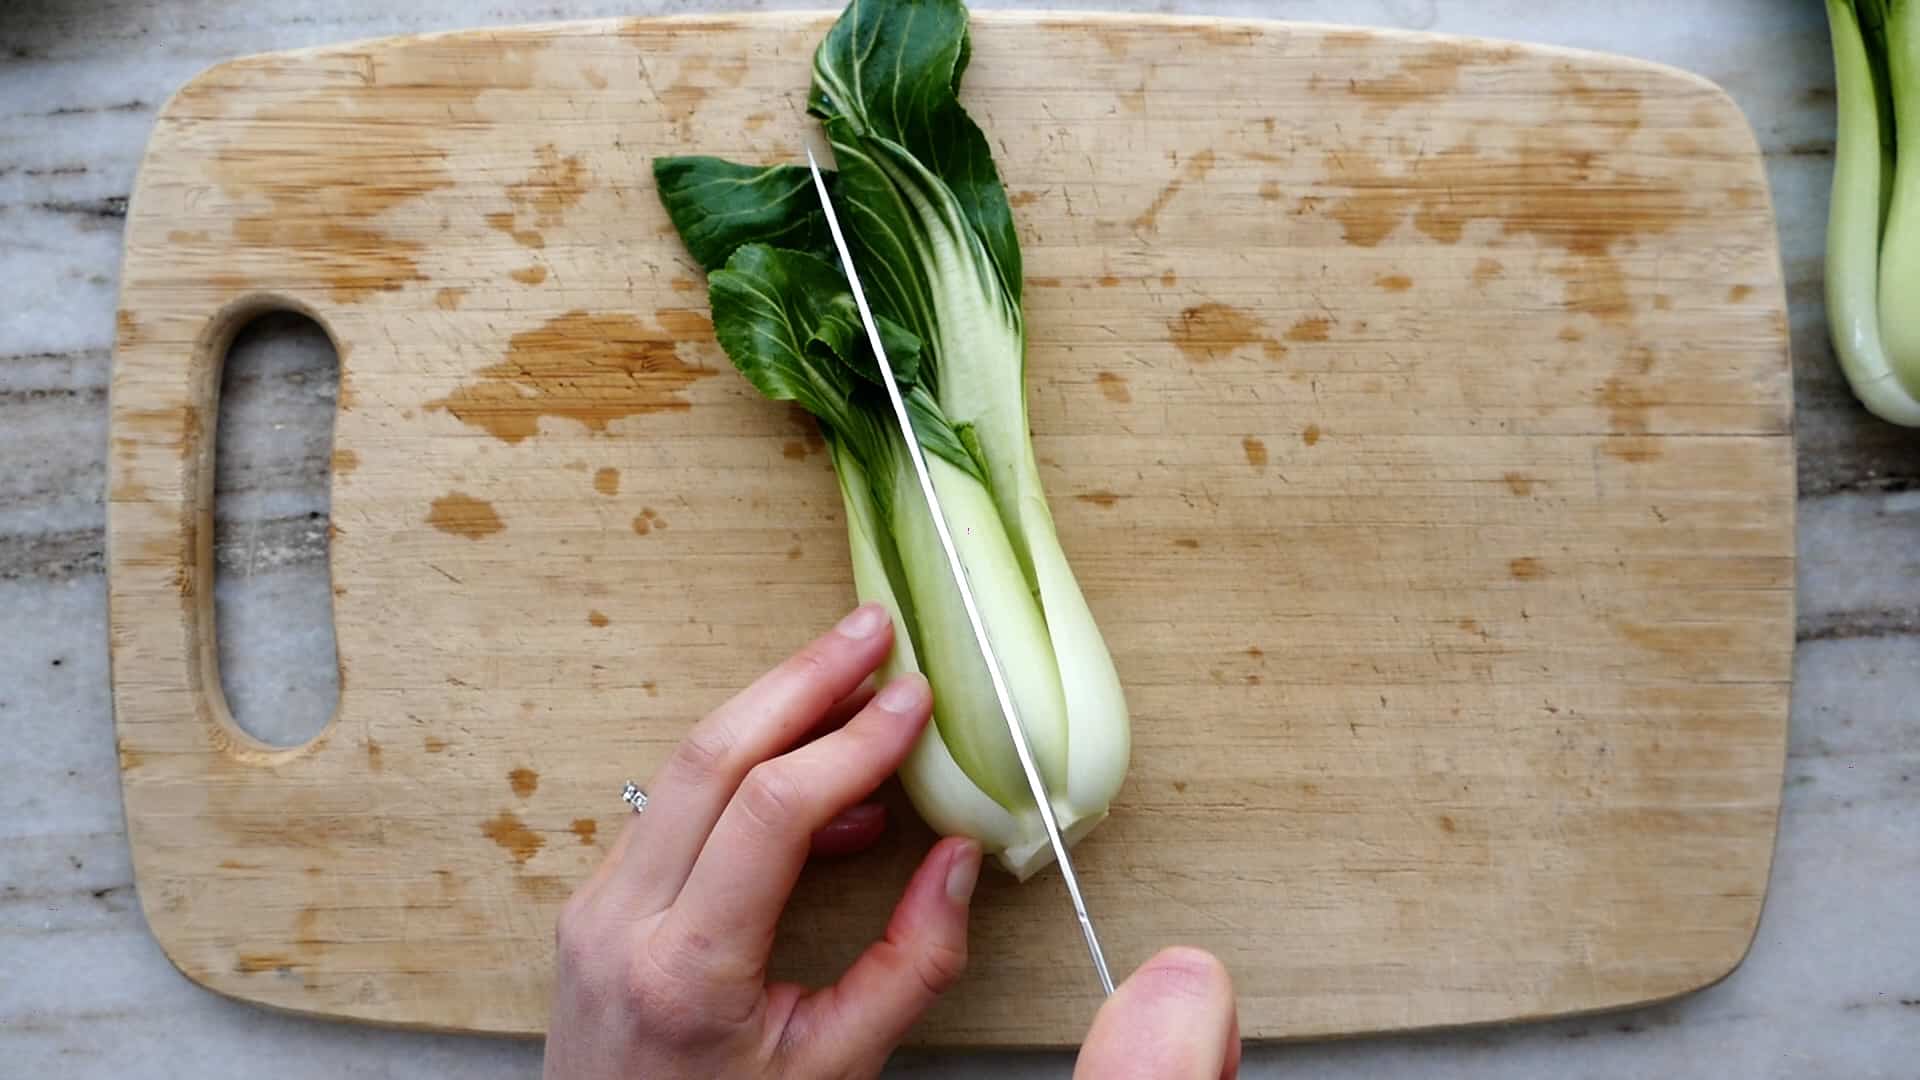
[(929, 226), (1873, 220)]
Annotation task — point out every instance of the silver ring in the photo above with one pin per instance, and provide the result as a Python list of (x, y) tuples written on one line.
[(634, 797)]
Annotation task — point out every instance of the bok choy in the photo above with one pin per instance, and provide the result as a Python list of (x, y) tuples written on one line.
[(1873, 221), (930, 229)]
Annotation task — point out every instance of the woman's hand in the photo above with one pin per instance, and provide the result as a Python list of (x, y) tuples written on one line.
[(662, 959)]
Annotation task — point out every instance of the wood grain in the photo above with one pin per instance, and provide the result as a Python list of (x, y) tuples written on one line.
[(1415, 411)]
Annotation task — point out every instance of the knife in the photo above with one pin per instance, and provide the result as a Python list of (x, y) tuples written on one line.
[(1020, 744)]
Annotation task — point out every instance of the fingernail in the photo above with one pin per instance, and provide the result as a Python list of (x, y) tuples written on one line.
[(865, 621), (963, 872), (902, 695)]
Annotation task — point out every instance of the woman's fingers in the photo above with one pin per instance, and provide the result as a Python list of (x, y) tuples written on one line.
[(747, 870), (1173, 1019), (689, 793), (850, 1027)]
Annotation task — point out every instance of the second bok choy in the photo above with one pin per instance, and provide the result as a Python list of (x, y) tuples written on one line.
[(930, 230), (1873, 222)]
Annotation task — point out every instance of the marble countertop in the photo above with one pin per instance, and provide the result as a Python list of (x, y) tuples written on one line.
[(1832, 986)]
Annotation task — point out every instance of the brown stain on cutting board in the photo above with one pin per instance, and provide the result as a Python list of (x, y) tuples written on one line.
[(1310, 435), (646, 521), (684, 322), (1212, 330), (1311, 328), (1394, 283), (586, 829), (1255, 450), (1596, 287), (376, 757), (1525, 568), (460, 514), (255, 963), (1739, 293), (597, 619), (503, 221), (465, 515), (513, 836), (1681, 145), (693, 82), (1485, 270), (523, 781), (1519, 483), (1628, 400), (327, 165), (1614, 109), (1420, 77), (555, 185), (434, 745), (529, 275), (606, 480), (1113, 387), (344, 461), (345, 396), (306, 931), (543, 888), (590, 368), (1103, 499), (1196, 169), (1546, 187), (355, 261)]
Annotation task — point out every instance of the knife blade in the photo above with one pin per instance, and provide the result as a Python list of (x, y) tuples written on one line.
[(1021, 747)]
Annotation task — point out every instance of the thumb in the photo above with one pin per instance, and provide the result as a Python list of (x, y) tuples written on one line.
[(1173, 1019)]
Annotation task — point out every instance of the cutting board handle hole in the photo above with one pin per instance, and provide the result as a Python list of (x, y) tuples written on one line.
[(279, 386)]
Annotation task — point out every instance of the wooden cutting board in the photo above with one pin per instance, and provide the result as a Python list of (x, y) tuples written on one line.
[(1415, 410)]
